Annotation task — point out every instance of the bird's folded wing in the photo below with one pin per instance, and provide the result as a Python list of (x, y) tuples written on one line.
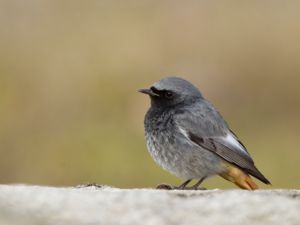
[(220, 147), (219, 140)]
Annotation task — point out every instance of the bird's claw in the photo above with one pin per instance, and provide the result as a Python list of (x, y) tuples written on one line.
[(165, 187), (196, 188), (170, 187), (89, 185)]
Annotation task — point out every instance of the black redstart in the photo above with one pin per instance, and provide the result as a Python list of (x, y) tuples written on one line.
[(188, 137)]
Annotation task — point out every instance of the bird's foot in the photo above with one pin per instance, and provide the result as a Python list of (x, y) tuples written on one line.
[(170, 187), (89, 185), (165, 187), (195, 188), (190, 188)]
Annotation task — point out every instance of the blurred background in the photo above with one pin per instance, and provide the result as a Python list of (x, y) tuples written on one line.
[(69, 73)]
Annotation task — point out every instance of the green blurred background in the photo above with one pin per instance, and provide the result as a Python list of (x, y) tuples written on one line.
[(69, 73)]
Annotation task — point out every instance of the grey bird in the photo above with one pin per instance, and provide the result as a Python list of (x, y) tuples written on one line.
[(188, 137)]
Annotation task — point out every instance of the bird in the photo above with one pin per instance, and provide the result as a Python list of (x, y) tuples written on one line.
[(189, 138)]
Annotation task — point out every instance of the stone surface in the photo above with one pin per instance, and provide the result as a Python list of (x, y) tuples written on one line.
[(35, 205)]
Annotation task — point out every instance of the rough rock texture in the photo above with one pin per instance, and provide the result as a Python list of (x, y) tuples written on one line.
[(35, 205)]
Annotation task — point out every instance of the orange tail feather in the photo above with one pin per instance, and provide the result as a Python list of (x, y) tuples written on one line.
[(239, 177)]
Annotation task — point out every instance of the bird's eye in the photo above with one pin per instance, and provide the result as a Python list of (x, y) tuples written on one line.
[(168, 94)]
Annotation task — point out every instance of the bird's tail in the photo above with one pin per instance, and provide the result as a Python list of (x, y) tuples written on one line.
[(238, 177)]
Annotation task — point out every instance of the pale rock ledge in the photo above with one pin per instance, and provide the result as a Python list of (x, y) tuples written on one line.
[(36, 205)]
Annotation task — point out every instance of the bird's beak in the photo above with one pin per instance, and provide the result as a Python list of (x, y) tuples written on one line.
[(148, 92)]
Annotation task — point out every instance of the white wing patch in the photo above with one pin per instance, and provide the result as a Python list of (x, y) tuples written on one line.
[(230, 139), (183, 131)]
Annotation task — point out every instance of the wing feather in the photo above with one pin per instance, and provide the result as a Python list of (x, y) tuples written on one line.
[(234, 156)]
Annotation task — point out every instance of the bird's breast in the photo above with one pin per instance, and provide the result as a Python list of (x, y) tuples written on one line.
[(160, 138)]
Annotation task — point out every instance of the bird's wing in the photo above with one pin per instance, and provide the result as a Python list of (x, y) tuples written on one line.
[(206, 128)]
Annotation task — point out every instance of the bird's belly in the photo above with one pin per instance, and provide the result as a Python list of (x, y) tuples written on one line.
[(183, 158)]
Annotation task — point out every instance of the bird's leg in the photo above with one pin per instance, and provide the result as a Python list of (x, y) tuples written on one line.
[(196, 186), (183, 185)]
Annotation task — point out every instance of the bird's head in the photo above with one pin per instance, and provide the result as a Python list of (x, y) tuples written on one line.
[(171, 91)]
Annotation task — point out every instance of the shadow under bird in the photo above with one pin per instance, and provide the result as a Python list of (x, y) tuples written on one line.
[(188, 137)]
